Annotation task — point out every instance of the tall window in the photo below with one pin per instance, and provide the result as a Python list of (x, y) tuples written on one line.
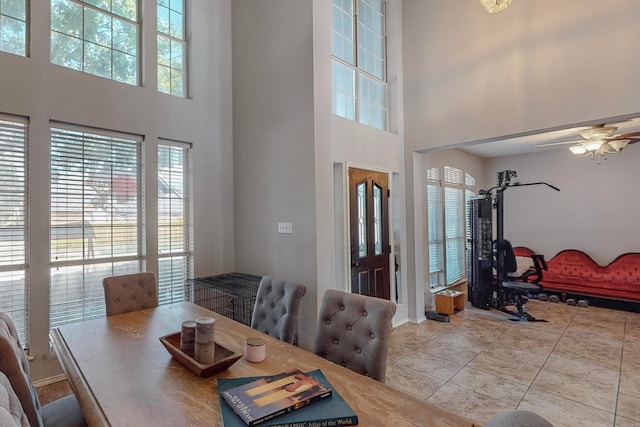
[(175, 234), (359, 61), (448, 189), (172, 47), (13, 26), (13, 222), (99, 37), (96, 227)]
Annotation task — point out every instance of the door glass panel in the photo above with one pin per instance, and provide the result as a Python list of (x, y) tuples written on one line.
[(362, 218), (377, 218)]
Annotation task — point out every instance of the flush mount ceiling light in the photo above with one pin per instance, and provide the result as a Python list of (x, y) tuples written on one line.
[(598, 142), (495, 6)]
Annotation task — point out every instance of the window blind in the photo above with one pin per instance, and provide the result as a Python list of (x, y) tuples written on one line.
[(13, 223), (454, 233), (95, 227), (175, 231)]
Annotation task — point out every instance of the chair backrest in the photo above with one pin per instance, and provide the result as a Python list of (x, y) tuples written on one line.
[(11, 412), (15, 365), (130, 292), (276, 309), (353, 331), (518, 418)]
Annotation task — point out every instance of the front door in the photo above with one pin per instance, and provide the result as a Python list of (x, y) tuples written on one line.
[(369, 220)]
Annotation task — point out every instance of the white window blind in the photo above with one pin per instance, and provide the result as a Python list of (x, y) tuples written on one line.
[(13, 223), (446, 223), (96, 222), (175, 231)]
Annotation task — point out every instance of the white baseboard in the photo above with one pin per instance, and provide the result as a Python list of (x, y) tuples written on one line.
[(50, 380)]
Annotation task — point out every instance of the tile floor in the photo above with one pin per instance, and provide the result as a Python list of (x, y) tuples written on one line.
[(579, 369)]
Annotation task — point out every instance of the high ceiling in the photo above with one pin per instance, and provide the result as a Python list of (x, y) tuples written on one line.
[(526, 143)]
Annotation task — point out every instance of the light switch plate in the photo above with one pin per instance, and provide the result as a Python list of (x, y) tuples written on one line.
[(285, 228)]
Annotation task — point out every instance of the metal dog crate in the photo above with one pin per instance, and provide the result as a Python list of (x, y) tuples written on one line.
[(232, 295)]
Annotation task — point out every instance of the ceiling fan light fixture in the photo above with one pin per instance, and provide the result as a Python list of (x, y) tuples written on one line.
[(598, 132), (495, 6), (593, 145), (618, 144), (578, 149)]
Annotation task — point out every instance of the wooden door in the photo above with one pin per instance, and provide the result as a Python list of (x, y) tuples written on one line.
[(369, 223)]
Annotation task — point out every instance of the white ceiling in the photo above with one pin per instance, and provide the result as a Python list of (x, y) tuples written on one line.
[(526, 143)]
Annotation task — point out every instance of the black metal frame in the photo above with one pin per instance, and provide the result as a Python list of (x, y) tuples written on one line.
[(487, 290)]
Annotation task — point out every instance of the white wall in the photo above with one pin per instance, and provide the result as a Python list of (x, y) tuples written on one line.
[(470, 75), (274, 157), (595, 210), (34, 88)]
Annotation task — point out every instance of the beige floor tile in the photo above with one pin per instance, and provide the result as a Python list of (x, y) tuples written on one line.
[(532, 353), (488, 384), (461, 340), (630, 384), (573, 388), (511, 370), (579, 368), (561, 411), (584, 371), (626, 422), (413, 382), (412, 335), (452, 353), (430, 365), (476, 406), (629, 406)]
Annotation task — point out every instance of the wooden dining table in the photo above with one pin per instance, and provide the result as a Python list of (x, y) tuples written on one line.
[(123, 376)]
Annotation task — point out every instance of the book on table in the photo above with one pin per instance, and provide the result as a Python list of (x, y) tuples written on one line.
[(325, 409)]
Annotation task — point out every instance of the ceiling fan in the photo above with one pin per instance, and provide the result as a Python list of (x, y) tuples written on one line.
[(599, 141)]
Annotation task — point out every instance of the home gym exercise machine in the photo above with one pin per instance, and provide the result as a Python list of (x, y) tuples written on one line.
[(491, 260)]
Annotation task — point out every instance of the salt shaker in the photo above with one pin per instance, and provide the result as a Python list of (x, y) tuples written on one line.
[(205, 345), (188, 337)]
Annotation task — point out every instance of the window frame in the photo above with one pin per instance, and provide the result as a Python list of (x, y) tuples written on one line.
[(137, 23), (19, 312), (90, 269), (172, 39), (359, 73), (176, 291), (440, 179), (26, 21)]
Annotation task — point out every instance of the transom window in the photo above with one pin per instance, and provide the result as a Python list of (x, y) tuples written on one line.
[(448, 191), (359, 61), (172, 47), (99, 37), (13, 26)]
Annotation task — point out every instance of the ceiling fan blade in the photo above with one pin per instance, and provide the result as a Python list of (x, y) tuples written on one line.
[(624, 136), (551, 144)]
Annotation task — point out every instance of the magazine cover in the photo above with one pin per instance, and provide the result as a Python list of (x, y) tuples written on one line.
[(332, 411), (268, 397)]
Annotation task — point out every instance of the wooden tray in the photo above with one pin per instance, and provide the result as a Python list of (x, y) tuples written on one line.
[(223, 357)]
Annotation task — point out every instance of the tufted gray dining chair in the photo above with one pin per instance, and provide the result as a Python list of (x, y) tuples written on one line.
[(353, 331), (130, 292), (64, 412), (276, 309)]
